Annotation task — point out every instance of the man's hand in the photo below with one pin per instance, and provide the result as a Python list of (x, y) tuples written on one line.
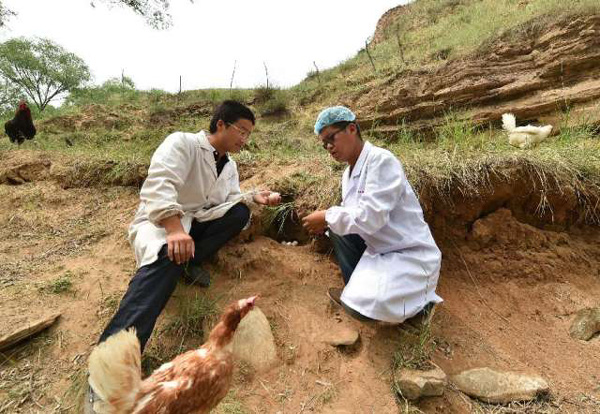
[(180, 245), (315, 222), (267, 198)]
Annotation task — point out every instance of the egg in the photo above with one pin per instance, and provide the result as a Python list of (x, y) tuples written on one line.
[(273, 197)]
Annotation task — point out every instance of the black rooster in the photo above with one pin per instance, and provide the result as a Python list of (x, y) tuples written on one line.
[(21, 126)]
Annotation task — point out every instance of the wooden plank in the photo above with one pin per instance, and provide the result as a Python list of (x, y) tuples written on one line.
[(27, 331)]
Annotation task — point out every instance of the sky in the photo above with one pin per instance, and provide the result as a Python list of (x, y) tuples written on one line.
[(206, 40)]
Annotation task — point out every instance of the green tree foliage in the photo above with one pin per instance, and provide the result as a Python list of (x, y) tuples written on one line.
[(41, 69), (9, 96), (156, 12), (5, 14)]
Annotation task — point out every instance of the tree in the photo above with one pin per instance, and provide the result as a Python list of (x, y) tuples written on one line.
[(41, 69), (9, 96), (5, 14), (156, 12)]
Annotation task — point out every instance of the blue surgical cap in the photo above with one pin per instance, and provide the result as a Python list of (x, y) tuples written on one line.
[(332, 115)]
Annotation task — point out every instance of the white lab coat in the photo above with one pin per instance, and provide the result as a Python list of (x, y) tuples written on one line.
[(398, 272), (182, 179)]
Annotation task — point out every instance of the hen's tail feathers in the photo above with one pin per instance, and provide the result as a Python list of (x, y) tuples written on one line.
[(546, 130), (115, 372), (509, 123)]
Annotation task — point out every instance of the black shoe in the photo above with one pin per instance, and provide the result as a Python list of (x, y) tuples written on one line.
[(335, 294), (423, 318), (196, 275)]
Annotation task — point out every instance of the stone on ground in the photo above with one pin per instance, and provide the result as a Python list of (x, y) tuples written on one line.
[(500, 387)]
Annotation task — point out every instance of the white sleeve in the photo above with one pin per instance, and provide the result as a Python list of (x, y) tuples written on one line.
[(168, 170), (383, 188)]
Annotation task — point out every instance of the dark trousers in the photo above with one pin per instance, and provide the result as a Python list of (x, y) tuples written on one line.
[(348, 250), (153, 284)]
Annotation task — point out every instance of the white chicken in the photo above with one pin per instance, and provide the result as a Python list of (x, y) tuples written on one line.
[(524, 136)]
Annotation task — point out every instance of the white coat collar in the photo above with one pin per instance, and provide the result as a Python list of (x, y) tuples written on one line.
[(208, 152), (361, 159), (204, 142)]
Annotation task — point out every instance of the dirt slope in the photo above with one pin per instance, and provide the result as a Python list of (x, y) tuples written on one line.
[(510, 292), (547, 67)]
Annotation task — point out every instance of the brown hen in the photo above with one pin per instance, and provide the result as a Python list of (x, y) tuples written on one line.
[(194, 382)]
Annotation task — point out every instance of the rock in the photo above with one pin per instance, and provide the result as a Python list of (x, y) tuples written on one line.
[(253, 341), (586, 324), (482, 233), (500, 387), (414, 384), (341, 336)]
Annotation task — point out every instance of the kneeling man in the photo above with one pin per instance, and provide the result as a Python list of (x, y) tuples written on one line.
[(388, 258)]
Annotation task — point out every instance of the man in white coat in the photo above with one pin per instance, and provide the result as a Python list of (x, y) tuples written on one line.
[(191, 205), (388, 258)]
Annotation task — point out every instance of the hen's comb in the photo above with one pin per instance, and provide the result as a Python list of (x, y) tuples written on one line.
[(249, 301)]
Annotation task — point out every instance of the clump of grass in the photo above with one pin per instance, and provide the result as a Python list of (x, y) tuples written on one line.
[(193, 311), (184, 330), (328, 395), (271, 100), (276, 217), (77, 389), (264, 93), (109, 304), (62, 284), (415, 350), (455, 132), (230, 405)]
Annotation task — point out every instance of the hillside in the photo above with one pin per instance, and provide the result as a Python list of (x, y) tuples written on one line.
[(474, 60), (518, 228)]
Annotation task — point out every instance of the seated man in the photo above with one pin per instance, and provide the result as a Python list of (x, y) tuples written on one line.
[(191, 205), (388, 258)]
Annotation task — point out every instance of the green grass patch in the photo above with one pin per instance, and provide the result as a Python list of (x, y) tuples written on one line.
[(192, 312), (60, 285), (277, 216)]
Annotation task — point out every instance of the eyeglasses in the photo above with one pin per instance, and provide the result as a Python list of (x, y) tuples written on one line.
[(243, 132), (330, 139)]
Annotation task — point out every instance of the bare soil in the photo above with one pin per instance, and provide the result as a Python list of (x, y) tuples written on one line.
[(511, 290)]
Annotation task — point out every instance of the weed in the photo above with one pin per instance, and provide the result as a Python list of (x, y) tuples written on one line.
[(77, 389), (277, 105), (278, 215), (230, 405), (62, 284), (415, 351), (193, 311)]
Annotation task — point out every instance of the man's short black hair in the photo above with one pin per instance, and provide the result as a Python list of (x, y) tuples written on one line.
[(344, 124), (229, 112)]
